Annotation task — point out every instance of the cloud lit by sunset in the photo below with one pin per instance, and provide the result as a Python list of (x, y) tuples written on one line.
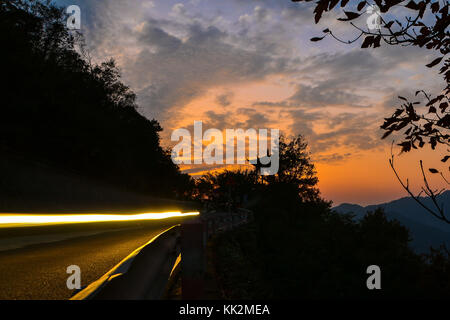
[(250, 64)]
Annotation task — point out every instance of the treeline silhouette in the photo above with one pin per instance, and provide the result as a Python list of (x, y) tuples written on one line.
[(298, 247), (58, 108)]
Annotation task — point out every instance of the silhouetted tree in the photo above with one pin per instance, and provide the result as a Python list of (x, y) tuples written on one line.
[(295, 180), (226, 189), (59, 108), (296, 168)]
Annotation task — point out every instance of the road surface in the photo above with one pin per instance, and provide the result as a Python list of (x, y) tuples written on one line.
[(38, 271)]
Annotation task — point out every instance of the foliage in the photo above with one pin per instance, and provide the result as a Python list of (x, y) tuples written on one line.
[(59, 108), (226, 189), (297, 247), (296, 180), (425, 25), (316, 253), (296, 169)]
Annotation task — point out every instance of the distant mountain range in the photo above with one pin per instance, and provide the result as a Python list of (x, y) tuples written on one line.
[(426, 230)]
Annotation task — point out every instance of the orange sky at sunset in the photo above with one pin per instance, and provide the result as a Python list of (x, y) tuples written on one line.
[(364, 176), (251, 64)]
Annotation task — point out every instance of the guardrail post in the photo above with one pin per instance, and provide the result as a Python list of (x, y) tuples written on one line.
[(193, 259)]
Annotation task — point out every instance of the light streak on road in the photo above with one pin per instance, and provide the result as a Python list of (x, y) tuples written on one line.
[(22, 220)]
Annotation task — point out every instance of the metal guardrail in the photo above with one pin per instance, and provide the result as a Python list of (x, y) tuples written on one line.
[(194, 236), (145, 273), (217, 222), (141, 275)]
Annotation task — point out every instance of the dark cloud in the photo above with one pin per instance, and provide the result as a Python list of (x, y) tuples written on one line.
[(177, 55), (323, 94), (224, 99), (331, 158), (358, 131), (218, 120), (244, 118), (160, 39), (182, 69), (255, 119)]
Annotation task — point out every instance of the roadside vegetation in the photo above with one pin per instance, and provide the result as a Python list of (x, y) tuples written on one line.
[(297, 247), (61, 110)]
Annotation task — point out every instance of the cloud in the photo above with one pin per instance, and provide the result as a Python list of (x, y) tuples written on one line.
[(173, 52), (243, 118), (182, 69), (159, 39), (224, 99), (254, 119), (323, 94), (349, 131), (332, 158), (179, 9)]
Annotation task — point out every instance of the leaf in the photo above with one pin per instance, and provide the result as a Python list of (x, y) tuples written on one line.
[(432, 110), (422, 8), (316, 39), (428, 126), (361, 5), (403, 98), (432, 170), (386, 134), (445, 158), (317, 16), (432, 101), (412, 5), (322, 6), (408, 131), (406, 146), (389, 24), (434, 62), (443, 106), (376, 41), (401, 125), (424, 31), (435, 7), (367, 42), (398, 112), (350, 16), (433, 142), (332, 4), (344, 3), (326, 30)]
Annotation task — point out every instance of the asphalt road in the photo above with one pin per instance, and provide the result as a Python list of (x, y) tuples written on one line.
[(38, 271)]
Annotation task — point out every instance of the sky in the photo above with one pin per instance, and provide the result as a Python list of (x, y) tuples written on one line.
[(250, 64)]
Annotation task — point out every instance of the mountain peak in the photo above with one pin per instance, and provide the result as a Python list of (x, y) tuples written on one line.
[(405, 207)]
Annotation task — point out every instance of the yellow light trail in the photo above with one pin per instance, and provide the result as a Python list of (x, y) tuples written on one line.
[(10, 220)]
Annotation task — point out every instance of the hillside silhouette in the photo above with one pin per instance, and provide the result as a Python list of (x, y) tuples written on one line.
[(425, 229), (60, 110)]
